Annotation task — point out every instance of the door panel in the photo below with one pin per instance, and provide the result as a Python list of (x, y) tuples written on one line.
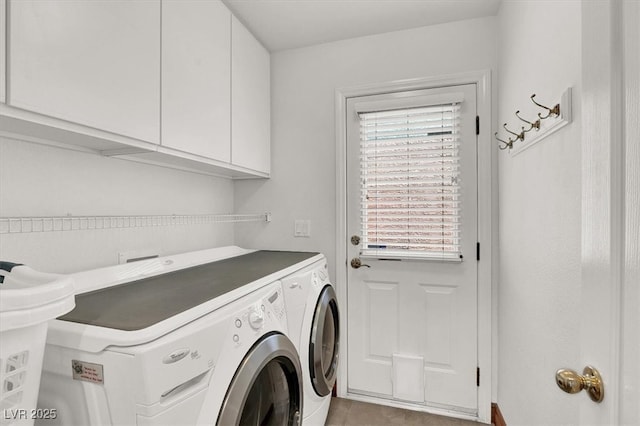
[(373, 337), (414, 309), (610, 210), (437, 334)]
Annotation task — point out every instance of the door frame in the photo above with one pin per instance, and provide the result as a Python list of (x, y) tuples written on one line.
[(487, 223)]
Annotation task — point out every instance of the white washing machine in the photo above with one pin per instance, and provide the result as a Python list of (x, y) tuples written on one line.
[(312, 311), (197, 338)]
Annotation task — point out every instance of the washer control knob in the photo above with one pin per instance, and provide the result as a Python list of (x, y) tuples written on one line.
[(256, 319)]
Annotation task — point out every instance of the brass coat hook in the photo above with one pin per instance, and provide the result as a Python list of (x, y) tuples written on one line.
[(552, 111), (519, 136), (534, 125), (507, 144)]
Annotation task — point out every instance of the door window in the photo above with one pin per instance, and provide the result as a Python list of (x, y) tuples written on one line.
[(410, 182)]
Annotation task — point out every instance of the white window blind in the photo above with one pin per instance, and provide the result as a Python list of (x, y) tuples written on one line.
[(410, 193)]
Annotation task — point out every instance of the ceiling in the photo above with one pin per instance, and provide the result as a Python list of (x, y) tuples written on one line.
[(286, 24)]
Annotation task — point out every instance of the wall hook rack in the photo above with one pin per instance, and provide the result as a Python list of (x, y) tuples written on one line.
[(547, 123)]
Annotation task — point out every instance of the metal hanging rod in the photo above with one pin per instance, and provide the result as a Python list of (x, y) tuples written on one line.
[(11, 225)]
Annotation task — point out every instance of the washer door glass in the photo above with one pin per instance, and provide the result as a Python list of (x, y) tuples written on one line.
[(323, 347), (267, 387), (269, 400)]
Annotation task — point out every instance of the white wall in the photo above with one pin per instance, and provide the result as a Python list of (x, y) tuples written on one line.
[(540, 211), (38, 180), (303, 138)]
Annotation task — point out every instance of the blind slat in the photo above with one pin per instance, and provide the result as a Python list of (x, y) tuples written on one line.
[(434, 141), (441, 152), (413, 133), (415, 172), (406, 183), (367, 112)]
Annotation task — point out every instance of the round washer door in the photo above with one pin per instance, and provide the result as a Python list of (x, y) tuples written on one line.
[(267, 387), (324, 344)]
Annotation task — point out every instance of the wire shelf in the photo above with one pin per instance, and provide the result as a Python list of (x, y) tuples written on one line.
[(22, 225)]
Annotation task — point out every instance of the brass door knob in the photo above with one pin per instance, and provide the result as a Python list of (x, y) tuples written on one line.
[(590, 380), (357, 263)]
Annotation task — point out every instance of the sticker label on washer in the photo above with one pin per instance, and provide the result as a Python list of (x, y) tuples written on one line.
[(87, 371)]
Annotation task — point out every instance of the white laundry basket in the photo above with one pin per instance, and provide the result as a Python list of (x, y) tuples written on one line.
[(28, 300)]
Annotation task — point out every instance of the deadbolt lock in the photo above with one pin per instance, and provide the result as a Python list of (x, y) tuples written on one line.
[(355, 240), (590, 380)]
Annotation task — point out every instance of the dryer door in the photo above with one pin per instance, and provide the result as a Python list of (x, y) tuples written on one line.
[(267, 387), (323, 347)]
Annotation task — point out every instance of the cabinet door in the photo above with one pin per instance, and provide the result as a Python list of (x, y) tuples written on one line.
[(250, 101), (196, 77), (95, 63)]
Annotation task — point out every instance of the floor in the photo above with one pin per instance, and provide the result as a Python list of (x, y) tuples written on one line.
[(344, 412)]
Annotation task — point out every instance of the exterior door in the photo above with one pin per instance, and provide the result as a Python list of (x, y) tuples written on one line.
[(412, 226)]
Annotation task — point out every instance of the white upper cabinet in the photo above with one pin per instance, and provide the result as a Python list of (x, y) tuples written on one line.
[(95, 63), (179, 83), (250, 101), (196, 78), (3, 56)]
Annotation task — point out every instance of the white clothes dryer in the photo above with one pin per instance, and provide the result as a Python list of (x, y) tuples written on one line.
[(198, 338), (312, 311)]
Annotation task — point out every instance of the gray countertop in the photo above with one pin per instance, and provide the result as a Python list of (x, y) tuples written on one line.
[(142, 303)]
